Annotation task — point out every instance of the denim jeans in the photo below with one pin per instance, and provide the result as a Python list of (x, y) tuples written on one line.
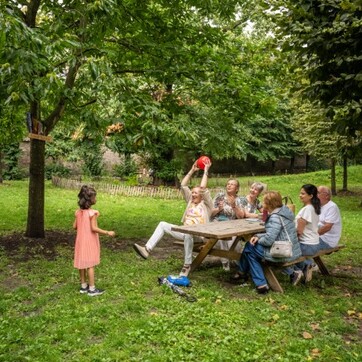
[(250, 262), (306, 250)]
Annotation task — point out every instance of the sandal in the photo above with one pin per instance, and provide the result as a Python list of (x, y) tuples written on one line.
[(185, 270)]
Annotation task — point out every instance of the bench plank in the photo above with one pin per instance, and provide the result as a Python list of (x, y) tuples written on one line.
[(272, 279)]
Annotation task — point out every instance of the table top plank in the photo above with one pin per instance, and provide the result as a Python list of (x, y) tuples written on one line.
[(223, 229)]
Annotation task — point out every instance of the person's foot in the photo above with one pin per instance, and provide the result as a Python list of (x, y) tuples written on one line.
[(141, 251), (185, 271), (308, 273), (239, 278), (226, 265), (95, 292), (263, 289), (84, 290), (296, 277)]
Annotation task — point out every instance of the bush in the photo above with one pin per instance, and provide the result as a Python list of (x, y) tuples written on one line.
[(56, 169)]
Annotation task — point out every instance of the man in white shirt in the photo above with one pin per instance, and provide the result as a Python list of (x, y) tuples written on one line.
[(330, 223)]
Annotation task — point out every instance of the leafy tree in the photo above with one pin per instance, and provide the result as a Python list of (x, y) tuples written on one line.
[(324, 41)]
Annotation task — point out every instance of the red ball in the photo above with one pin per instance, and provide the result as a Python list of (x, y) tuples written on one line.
[(200, 162)]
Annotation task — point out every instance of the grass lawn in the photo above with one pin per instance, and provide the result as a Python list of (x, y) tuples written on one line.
[(44, 318)]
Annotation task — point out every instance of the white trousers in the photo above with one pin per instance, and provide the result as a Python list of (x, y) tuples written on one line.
[(226, 245), (165, 228)]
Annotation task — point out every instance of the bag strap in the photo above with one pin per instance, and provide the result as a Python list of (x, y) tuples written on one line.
[(285, 228), (286, 198)]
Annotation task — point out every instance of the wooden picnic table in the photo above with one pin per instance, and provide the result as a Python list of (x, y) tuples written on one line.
[(241, 229)]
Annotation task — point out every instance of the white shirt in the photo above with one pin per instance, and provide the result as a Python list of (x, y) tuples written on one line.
[(310, 234), (330, 215)]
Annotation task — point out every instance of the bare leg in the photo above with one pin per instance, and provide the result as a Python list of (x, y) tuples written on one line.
[(82, 274), (91, 280)]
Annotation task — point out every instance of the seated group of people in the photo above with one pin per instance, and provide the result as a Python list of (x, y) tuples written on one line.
[(316, 226)]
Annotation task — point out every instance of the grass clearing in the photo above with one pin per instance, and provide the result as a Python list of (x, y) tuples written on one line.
[(44, 318)]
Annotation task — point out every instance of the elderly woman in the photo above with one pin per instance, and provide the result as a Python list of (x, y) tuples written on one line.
[(250, 202), (278, 226), (227, 206), (198, 211)]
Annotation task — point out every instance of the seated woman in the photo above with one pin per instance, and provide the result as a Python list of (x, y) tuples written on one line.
[(307, 229), (258, 248), (227, 206), (250, 202), (198, 211)]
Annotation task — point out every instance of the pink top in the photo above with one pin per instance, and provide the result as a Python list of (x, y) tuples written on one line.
[(87, 247)]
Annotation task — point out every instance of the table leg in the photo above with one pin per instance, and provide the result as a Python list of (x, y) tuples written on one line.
[(203, 253)]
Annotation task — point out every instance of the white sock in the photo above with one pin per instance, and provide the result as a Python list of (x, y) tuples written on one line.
[(84, 285), (92, 287)]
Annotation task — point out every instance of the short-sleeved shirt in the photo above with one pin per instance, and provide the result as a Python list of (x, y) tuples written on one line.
[(228, 212), (330, 215), (251, 208), (310, 234)]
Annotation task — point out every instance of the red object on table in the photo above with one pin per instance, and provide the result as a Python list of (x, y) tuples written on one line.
[(265, 214), (201, 162)]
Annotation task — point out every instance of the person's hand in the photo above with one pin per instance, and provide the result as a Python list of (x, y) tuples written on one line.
[(111, 233), (221, 205), (194, 167), (253, 240), (207, 164)]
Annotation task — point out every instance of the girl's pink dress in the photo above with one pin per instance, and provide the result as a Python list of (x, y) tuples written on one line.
[(87, 247)]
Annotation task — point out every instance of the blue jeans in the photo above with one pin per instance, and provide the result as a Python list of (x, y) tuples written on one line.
[(306, 250), (250, 262)]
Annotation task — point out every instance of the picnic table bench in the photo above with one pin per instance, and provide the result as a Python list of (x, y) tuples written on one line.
[(269, 266)]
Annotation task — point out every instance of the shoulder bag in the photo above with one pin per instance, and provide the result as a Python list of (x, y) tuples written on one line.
[(282, 248)]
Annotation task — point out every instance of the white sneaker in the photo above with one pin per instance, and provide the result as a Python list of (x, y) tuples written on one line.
[(185, 271), (141, 251), (226, 265)]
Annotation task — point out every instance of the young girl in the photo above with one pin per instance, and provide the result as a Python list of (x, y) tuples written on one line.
[(87, 246)]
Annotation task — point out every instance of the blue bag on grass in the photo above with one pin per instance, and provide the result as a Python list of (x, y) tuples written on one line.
[(180, 281)]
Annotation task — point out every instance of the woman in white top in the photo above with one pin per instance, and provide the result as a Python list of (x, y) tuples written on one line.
[(307, 229)]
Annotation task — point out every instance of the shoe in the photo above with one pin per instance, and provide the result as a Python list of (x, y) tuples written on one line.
[(84, 290), (226, 265), (315, 268), (185, 271), (95, 292), (239, 278), (296, 277), (263, 290), (141, 251), (308, 273)]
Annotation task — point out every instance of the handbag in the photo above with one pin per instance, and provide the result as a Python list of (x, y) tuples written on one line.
[(289, 205), (282, 248)]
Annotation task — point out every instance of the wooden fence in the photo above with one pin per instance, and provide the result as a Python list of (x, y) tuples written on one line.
[(136, 191)]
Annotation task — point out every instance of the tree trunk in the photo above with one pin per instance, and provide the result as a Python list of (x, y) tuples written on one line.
[(333, 177), (35, 225), (345, 173), (1, 167), (307, 159)]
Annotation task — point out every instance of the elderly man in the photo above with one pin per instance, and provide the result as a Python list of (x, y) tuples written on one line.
[(330, 223)]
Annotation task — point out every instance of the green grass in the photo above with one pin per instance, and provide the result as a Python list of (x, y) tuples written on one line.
[(43, 318)]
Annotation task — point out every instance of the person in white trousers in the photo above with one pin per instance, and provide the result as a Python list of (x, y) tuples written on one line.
[(198, 211)]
